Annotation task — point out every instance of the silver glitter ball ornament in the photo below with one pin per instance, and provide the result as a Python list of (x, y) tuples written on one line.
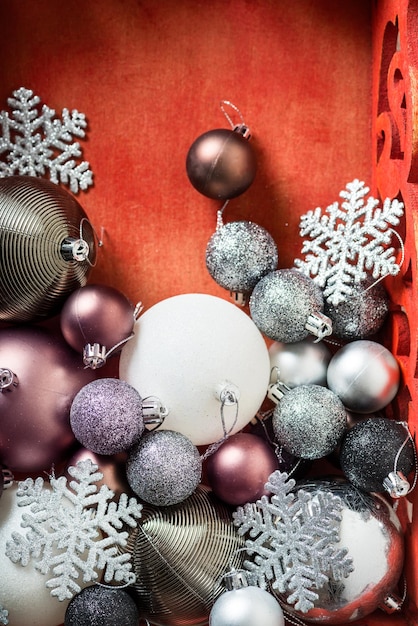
[(164, 468), (240, 253), (282, 304), (309, 421)]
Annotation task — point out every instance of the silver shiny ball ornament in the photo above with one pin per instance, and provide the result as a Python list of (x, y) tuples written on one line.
[(164, 468), (247, 606), (300, 363), (287, 306), (362, 314), (240, 253), (309, 421), (221, 163), (365, 376)]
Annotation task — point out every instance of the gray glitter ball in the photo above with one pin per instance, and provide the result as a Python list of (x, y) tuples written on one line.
[(369, 450), (309, 421), (282, 302), (362, 314), (106, 416), (239, 254), (164, 468), (100, 606)]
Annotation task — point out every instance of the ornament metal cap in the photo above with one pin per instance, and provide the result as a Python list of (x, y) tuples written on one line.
[(73, 249), (277, 388), (319, 325), (235, 579), (239, 298), (396, 485), (153, 411), (391, 603), (8, 477), (8, 380), (94, 355), (243, 130)]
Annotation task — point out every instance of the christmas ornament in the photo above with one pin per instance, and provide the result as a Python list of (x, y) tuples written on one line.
[(102, 606), (239, 469), (164, 468), (112, 467), (300, 363), (244, 605), (106, 416), (47, 248), (365, 375), (349, 242), (287, 306), (221, 163), (4, 615), (74, 528), (41, 376), (35, 142), (97, 320), (371, 533), (309, 421), (362, 314), (23, 593), (294, 540), (204, 359), (377, 454), (197, 539), (238, 254)]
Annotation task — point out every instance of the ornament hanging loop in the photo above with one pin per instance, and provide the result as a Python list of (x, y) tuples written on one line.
[(241, 128), (396, 484), (319, 325), (8, 380)]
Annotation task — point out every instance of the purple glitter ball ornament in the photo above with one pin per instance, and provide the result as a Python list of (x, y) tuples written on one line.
[(106, 416)]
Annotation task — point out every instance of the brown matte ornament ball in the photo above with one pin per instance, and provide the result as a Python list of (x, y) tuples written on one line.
[(221, 164)]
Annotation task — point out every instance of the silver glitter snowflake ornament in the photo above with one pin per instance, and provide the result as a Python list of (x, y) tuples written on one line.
[(292, 537), (74, 530), (34, 142), (349, 241)]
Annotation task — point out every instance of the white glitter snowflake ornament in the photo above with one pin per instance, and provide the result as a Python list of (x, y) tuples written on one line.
[(4, 616), (349, 241), (292, 537), (34, 142), (74, 530)]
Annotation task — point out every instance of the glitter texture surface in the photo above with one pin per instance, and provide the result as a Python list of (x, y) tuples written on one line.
[(369, 449), (106, 416), (309, 421), (281, 303), (239, 254), (164, 468), (101, 606)]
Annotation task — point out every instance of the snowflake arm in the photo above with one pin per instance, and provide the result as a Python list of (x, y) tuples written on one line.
[(73, 530), (4, 616)]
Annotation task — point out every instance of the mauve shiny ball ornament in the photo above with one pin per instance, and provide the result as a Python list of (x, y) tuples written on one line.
[(106, 416), (238, 471), (365, 375), (221, 164), (47, 248), (101, 606), (164, 468), (300, 363), (112, 467), (35, 428), (309, 421), (247, 606), (374, 448), (240, 253), (281, 303), (95, 319)]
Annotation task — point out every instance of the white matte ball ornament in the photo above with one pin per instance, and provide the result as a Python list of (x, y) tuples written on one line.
[(190, 349), (365, 375), (248, 606), (301, 363)]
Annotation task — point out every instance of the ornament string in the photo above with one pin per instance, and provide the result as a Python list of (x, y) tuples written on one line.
[(278, 448), (224, 103), (398, 454), (99, 240), (401, 262), (227, 397)]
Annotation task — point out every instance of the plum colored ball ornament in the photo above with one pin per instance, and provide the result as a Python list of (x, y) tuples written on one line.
[(287, 306), (300, 363), (309, 421), (47, 248), (246, 606), (164, 468), (96, 320), (239, 469), (204, 358), (221, 163), (106, 416), (112, 467), (102, 606), (240, 253), (375, 453), (365, 375), (371, 533), (40, 377)]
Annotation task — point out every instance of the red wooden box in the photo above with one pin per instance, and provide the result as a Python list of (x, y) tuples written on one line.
[(329, 90)]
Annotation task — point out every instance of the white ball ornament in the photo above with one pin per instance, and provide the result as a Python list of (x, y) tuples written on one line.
[(365, 376), (202, 357), (247, 606)]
